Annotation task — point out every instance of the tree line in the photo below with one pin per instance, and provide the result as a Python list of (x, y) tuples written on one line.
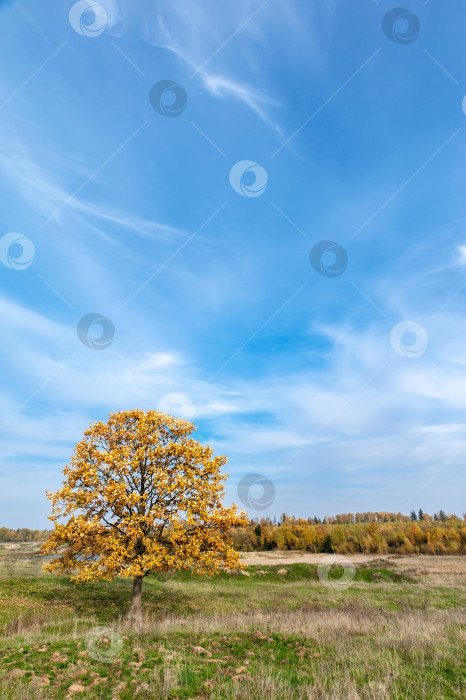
[(22, 534), (346, 533), (365, 533)]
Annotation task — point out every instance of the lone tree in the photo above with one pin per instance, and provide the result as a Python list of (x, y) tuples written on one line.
[(140, 495)]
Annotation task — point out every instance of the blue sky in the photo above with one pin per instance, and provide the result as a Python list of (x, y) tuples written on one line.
[(217, 311)]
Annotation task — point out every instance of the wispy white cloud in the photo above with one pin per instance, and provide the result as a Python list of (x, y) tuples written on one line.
[(462, 254), (42, 190), (221, 86), (191, 32), (407, 413), (303, 385)]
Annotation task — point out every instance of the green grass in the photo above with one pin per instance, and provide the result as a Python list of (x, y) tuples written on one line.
[(267, 634)]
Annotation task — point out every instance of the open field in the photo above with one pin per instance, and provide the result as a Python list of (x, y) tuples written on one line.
[(276, 631)]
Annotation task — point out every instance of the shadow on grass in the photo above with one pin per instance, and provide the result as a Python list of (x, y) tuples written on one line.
[(178, 593), (104, 600)]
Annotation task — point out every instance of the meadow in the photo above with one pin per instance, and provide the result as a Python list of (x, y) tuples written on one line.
[(273, 631)]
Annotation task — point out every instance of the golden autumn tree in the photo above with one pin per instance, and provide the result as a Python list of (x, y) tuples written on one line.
[(140, 495)]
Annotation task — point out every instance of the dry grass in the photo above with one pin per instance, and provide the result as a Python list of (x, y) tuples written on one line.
[(385, 639)]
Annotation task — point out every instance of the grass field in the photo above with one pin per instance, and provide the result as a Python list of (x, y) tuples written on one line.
[(275, 631)]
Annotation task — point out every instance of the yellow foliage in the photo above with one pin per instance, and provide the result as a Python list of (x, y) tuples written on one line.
[(141, 495)]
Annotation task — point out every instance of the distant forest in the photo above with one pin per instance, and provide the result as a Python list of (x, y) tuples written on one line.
[(358, 533), (347, 533)]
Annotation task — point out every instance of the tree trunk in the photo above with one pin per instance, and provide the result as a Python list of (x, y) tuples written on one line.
[(136, 608)]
